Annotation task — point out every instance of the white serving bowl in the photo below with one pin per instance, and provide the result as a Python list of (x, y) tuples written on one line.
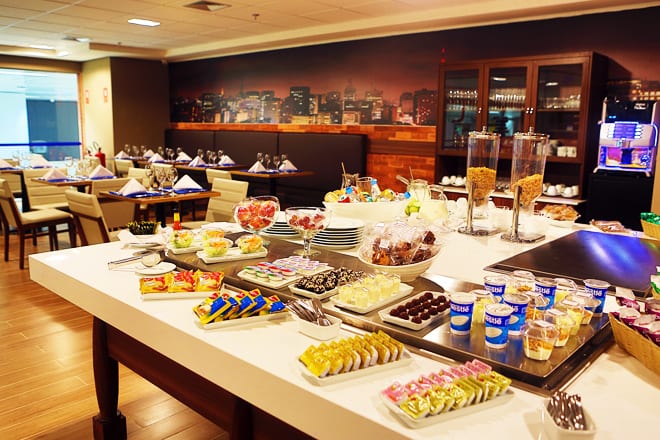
[(407, 272), (320, 332), (369, 212), (555, 432)]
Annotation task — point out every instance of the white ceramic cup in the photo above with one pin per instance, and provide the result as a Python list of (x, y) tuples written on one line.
[(571, 151), (552, 191), (575, 189), (561, 151)]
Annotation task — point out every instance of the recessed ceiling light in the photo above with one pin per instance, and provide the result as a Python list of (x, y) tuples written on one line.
[(143, 22), (207, 6)]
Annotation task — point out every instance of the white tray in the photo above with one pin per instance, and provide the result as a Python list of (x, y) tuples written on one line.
[(309, 294), (233, 254), (278, 284), (406, 359), (429, 420), (194, 247), (175, 295), (251, 320), (404, 291), (386, 317)]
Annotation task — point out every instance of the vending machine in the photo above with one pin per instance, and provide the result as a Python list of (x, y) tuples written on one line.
[(621, 185)]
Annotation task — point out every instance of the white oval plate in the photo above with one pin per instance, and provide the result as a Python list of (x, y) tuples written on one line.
[(159, 269)]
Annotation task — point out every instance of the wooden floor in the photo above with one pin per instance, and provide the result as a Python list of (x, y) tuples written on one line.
[(46, 379)]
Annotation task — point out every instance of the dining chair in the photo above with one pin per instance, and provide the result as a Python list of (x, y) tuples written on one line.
[(116, 213), (221, 208), (28, 224), (89, 219), (140, 174), (123, 166), (212, 174), (43, 196)]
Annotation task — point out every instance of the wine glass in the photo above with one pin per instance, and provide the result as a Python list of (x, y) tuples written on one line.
[(277, 161), (172, 175), (254, 214), (161, 174), (307, 221), (200, 153)]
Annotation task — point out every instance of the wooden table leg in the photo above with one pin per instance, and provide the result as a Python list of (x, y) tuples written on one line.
[(109, 423)]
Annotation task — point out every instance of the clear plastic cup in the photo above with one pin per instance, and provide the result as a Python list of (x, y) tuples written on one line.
[(483, 297), (539, 339), (563, 322)]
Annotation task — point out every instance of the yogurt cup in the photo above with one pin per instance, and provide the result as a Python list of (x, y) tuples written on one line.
[(495, 284), (597, 289), (546, 287), (461, 305), (496, 319), (519, 302)]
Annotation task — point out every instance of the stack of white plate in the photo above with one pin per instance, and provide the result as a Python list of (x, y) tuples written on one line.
[(280, 228), (341, 233)]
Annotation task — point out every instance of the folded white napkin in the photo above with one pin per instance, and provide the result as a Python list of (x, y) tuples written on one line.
[(258, 166), (156, 158), (132, 187), (54, 174), (100, 171), (121, 155), (225, 226), (197, 161), (183, 156), (149, 153), (127, 237), (39, 161), (226, 160), (5, 164), (186, 182), (287, 165)]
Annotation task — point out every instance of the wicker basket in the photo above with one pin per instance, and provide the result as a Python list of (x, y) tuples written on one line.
[(637, 345), (651, 229)]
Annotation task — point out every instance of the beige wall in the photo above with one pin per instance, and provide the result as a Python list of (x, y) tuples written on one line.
[(96, 108)]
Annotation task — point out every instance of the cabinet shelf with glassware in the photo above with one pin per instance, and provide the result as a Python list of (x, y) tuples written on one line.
[(558, 95)]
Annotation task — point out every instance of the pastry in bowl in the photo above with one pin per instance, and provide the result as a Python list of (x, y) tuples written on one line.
[(249, 243), (182, 239)]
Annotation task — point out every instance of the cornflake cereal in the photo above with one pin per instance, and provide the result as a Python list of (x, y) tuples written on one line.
[(531, 187), (484, 182)]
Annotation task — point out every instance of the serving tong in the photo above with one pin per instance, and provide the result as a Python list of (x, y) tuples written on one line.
[(309, 310), (566, 410)]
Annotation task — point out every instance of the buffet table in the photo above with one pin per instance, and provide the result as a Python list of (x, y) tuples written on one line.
[(252, 374)]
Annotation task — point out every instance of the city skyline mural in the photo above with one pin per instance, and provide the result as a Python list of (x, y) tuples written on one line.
[(340, 83)]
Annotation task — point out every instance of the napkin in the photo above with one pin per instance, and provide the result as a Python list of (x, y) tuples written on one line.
[(127, 238), (257, 167), (100, 171), (186, 182), (132, 187), (226, 160), (122, 155), (196, 162), (156, 158), (228, 227), (38, 161), (287, 165), (54, 174), (5, 164), (183, 157), (149, 153)]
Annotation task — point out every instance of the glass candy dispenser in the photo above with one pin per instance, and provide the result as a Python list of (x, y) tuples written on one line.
[(529, 153), (483, 150)]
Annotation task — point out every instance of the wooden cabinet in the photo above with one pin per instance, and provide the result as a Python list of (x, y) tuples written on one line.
[(559, 95)]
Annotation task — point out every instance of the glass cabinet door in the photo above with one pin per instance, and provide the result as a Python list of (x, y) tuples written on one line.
[(558, 102), (461, 109), (507, 87)]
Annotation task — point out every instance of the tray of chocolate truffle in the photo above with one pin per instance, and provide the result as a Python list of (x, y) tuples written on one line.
[(282, 272), (352, 357), (450, 392), (324, 285), (420, 311)]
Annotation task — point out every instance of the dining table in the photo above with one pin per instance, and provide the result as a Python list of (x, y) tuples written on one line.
[(270, 176), (161, 198), (79, 182)]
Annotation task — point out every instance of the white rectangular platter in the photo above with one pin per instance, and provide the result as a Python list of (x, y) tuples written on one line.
[(174, 295), (406, 359), (429, 420), (243, 321), (233, 254), (404, 291), (244, 275), (386, 317), (310, 294)]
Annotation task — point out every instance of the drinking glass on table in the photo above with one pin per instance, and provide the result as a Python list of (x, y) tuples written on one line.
[(307, 221), (172, 175)]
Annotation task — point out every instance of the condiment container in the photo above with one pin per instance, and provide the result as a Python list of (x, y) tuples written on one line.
[(539, 339)]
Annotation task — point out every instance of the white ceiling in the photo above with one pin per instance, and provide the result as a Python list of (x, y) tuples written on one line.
[(250, 25)]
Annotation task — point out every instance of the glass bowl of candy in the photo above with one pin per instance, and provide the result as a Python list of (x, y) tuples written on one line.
[(307, 221)]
